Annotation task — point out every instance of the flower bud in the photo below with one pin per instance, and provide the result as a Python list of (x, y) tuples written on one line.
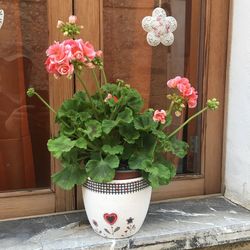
[(119, 81), (90, 65), (177, 113), (59, 24), (99, 53), (213, 104), (30, 92), (169, 97), (72, 19), (56, 76)]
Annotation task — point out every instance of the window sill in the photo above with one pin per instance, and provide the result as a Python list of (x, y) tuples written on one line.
[(185, 224)]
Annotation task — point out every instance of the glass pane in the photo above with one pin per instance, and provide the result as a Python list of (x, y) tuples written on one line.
[(24, 122), (129, 57)]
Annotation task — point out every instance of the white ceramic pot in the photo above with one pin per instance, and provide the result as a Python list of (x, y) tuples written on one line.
[(117, 209)]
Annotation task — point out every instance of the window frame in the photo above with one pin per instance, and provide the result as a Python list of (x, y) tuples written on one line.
[(42, 201), (214, 80)]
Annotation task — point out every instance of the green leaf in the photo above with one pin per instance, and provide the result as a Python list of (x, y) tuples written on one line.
[(176, 147), (125, 116), (133, 98), (136, 103), (129, 133), (59, 145), (149, 144), (158, 174), (129, 149), (84, 116), (172, 171), (70, 176), (145, 122), (81, 143), (77, 104), (69, 158), (113, 161), (102, 170), (138, 160), (159, 134), (108, 125), (154, 180), (112, 150), (67, 130), (163, 171), (93, 129)]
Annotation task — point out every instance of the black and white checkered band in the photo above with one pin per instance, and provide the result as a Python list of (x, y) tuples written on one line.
[(115, 188)]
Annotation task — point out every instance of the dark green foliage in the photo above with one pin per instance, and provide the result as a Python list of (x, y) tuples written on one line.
[(94, 138)]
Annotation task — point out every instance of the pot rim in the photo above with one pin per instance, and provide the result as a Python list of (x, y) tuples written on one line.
[(121, 181)]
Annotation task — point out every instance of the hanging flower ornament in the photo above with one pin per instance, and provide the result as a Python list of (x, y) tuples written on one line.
[(1, 18), (160, 27)]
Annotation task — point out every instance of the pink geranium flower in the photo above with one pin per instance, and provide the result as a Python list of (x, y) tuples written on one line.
[(160, 116), (187, 91), (192, 99), (109, 96), (50, 67), (65, 69), (172, 83), (89, 50), (57, 52), (75, 49), (184, 87)]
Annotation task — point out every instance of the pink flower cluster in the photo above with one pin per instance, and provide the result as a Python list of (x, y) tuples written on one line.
[(187, 91), (62, 55), (160, 116)]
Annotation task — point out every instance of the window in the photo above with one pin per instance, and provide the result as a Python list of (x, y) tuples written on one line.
[(25, 165), (199, 52)]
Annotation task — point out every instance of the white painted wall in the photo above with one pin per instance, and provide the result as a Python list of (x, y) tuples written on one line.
[(237, 151)]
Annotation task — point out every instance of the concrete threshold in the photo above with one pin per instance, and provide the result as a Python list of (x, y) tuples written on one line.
[(185, 224)]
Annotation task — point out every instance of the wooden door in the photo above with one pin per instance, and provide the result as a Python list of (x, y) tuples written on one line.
[(25, 125)]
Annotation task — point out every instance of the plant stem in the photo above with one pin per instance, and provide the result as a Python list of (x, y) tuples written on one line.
[(97, 84), (104, 75), (46, 104), (169, 112), (84, 86), (187, 121), (170, 108), (98, 87), (87, 93), (115, 112)]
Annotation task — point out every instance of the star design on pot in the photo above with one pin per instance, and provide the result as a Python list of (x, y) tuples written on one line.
[(130, 220), (160, 27)]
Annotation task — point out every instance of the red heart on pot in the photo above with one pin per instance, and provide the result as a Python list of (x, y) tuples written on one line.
[(110, 218)]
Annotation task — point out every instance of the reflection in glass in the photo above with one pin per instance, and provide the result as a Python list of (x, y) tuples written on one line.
[(129, 57), (24, 122)]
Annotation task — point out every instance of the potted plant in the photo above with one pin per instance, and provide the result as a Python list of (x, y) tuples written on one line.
[(107, 143)]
